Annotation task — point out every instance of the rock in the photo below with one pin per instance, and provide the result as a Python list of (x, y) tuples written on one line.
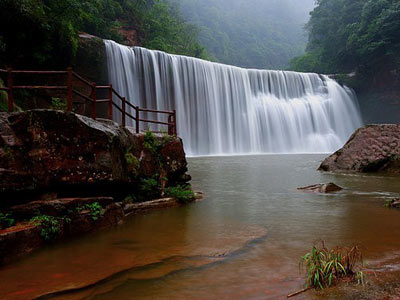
[(58, 207), (322, 188), (47, 151), (135, 208), (393, 203), (51, 161), (18, 241), (373, 148)]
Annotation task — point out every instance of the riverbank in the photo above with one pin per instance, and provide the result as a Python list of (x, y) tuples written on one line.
[(63, 175)]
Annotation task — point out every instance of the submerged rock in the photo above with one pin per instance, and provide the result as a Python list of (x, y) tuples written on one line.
[(323, 188), (373, 148)]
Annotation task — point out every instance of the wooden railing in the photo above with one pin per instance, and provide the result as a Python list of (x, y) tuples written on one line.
[(70, 91)]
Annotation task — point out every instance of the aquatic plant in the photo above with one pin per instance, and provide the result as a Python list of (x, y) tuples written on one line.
[(183, 194), (325, 267), (50, 226)]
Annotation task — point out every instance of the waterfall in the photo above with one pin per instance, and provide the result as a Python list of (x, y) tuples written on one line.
[(223, 110)]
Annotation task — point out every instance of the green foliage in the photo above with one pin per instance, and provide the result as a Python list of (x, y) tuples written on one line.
[(352, 35), (150, 142), (3, 97), (130, 199), (131, 161), (325, 267), (58, 104), (183, 194), (50, 226), (95, 210), (6, 220), (150, 188), (56, 24)]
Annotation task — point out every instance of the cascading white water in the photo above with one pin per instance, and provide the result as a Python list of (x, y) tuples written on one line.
[(224, 110)]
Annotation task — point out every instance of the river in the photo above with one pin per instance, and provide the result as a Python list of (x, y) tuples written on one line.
[(244, 240)]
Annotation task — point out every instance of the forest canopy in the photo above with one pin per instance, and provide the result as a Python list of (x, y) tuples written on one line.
[(352, 35), (44, 33)]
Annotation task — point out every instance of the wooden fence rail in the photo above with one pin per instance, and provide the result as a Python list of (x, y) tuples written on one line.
[(70, 91)]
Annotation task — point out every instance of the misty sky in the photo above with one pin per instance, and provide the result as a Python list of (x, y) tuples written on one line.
[(251, 33)]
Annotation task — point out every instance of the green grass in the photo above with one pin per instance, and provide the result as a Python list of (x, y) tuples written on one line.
[(326, 267)]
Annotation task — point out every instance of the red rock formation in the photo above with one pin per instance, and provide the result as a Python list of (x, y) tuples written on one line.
[(373, 148), (42, 150)]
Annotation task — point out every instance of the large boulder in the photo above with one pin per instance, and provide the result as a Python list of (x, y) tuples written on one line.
[(44, 151), (373, 148)]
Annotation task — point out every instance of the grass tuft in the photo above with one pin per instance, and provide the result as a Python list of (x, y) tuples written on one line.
[(326, 267)]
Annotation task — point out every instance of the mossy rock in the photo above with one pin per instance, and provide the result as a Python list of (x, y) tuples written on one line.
[(90, 61)]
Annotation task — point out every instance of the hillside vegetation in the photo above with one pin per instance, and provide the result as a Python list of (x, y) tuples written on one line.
[(352, 35), (359, 42), (263, 34), (44, 33)]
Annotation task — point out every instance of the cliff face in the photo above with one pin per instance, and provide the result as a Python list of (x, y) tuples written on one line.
[(43, 150), (373, 148)]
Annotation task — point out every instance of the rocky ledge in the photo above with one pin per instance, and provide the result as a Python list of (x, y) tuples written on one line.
[(63, 174), (373, 148)]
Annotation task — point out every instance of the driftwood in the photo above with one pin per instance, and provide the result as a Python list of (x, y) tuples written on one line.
[(298, 292)]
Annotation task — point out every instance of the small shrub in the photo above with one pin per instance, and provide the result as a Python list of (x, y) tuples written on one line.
[(150, 188), (180, 193), (95, 210), (150, 142), (6, 220), (326, 267), (129, 199), (131, 161), (50, 226), (58, 104)]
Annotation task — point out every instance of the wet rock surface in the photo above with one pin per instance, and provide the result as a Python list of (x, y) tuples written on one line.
[(63, 175), (373, 148), (45, 150)]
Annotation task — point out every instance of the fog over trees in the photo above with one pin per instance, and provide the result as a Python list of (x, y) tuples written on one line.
[(262, 34)]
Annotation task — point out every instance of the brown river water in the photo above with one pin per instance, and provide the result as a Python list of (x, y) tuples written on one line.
[(243, 241)]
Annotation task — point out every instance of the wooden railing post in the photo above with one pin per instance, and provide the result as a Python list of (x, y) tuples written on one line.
[(110, 102), (10, 84), (170, 126), (94, 104), (137, 119), (175, 129), (123, 111), (69, 89)]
